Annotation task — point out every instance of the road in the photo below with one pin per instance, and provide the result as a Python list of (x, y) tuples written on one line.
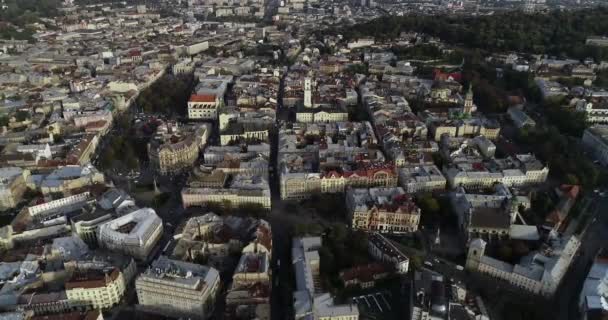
[(280, 300), (594, 238)]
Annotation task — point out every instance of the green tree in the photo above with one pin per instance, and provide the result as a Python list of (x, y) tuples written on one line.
[(416, 261), (22, 115), (556, 33), (505, 252), (428, 204), (572, 179), (161, 199), (4, 120)]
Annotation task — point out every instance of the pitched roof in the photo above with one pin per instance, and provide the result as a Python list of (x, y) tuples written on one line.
[(570, 191), (364, 273), (202, 98)]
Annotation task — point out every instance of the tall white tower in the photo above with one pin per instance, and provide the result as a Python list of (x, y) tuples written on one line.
[(468, 102), (141, 8), (477, 249), (307, 92)]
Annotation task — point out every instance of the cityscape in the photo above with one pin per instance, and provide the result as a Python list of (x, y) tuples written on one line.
[(303, 159)]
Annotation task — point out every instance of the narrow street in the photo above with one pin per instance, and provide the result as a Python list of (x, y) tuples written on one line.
[(595, 237), (280, 300)]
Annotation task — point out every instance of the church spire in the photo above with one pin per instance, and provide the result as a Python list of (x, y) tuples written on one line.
[(468, 101)]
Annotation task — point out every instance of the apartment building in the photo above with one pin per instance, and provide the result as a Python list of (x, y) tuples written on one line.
[(96, 289), (176, 150), (192, 197), (465, 128), (301, 185), (384, 210), (423, 178), (63, 181), (383, 250), (538, 273), (203, 107), (12, 186), (60, 206), (596, 111), (175, 287), (87, 224), (134, 234), (238, 132), (321, 114), (518, 171), (596, 139)]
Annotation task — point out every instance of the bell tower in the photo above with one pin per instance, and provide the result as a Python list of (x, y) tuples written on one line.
[(477, 249), (468, 101), (307, 92)]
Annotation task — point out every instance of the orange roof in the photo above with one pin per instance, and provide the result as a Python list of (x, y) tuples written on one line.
[(362, 172), (570, 191), (202, 98), (553, 218), (95, 124), (92, 279), (364, 273)]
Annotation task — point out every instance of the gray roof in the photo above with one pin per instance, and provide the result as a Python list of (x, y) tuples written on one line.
[(8, 174), (181, 273), (524, 232), (490, 218)]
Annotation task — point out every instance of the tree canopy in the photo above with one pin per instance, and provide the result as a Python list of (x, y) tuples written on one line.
[(558, 32), (21, 13), (342, 248), (168, 95)]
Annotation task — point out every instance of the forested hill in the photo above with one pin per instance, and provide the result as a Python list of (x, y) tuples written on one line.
[(557, 32), (18, 14)]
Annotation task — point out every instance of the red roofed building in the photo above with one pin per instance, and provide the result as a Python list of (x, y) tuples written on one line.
[(383, 175), (101, 126), (364, 276), (203, 106), (567, 197), (209, 98), (439, 75), (95, 288), (81, 154), (135, 55), (385, 210)]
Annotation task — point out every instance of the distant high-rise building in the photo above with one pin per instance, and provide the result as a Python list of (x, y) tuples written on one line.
[(529, 6)]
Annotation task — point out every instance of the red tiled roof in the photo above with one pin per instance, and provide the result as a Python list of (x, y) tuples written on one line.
[(363, 273), (91, 279), (202, 98), (363, 172), (442, 76), (264, 236), (553, 219), (95, 124), (134, 53), (570, 191)]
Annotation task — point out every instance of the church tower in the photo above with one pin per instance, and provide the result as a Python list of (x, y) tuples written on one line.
[(308, 92), (468, 101), (477, 249)]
